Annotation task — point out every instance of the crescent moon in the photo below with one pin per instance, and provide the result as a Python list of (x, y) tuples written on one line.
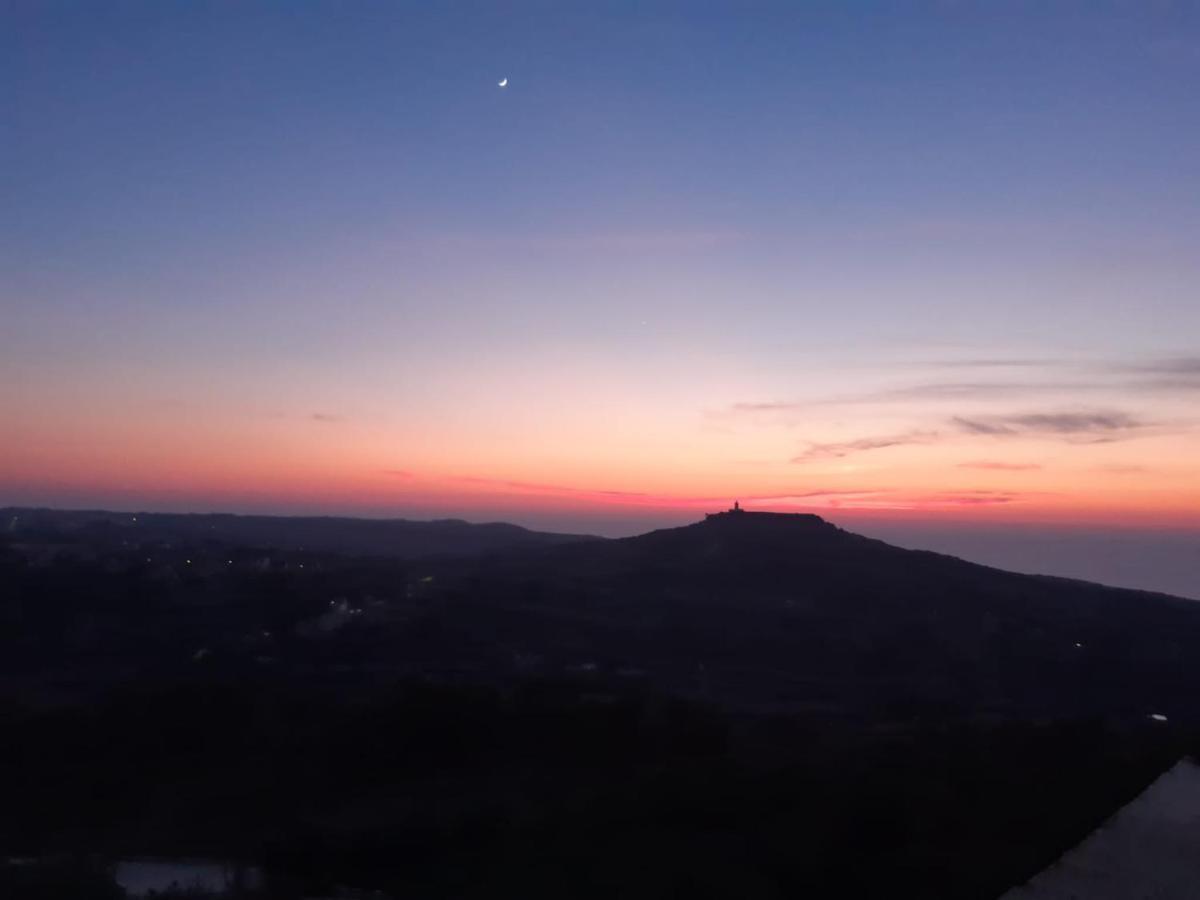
[(503, 82)]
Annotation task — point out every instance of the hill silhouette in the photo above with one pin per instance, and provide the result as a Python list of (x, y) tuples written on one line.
[(783, 607), (756, 610), (756, 704)]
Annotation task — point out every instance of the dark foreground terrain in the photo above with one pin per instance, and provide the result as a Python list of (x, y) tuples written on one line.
[(752, 706)]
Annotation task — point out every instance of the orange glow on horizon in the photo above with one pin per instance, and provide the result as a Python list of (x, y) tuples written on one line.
[(574, 462), (395, 492)]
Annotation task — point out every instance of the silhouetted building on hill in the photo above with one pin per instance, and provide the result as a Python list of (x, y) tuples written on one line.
[(735, 511)]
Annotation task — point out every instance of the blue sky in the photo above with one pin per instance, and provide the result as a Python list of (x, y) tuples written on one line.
[(268, 255)]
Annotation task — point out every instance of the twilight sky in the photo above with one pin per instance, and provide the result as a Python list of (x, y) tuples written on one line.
[(929, 261)]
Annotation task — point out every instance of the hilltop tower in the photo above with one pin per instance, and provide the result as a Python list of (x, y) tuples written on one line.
[(736, 510)]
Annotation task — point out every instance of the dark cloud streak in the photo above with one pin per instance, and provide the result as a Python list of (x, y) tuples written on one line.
[(1180, 374), (839, 449), (1103, 424)]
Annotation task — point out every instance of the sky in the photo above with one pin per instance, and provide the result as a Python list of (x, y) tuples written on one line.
[(916, 263)]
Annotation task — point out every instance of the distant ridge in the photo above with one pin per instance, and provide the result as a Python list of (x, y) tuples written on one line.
[(406, 538), (773, 543)]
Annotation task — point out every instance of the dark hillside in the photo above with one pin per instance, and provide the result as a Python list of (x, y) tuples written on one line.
[(753, 706), (767, 603)]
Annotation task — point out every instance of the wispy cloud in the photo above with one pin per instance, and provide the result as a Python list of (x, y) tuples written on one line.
[(979, 390), (838, 449), (776, 499), (1178, 374), (1174, 365), (887, 499), (327, 417), (1165, 365), (397, 473), (540, 487), (1088, 425), (1091, 427), (766, 406), (807, 497), (867, 499), (995, 363), (969, 498), (1168, 375), (999, 466), (948, 391)]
